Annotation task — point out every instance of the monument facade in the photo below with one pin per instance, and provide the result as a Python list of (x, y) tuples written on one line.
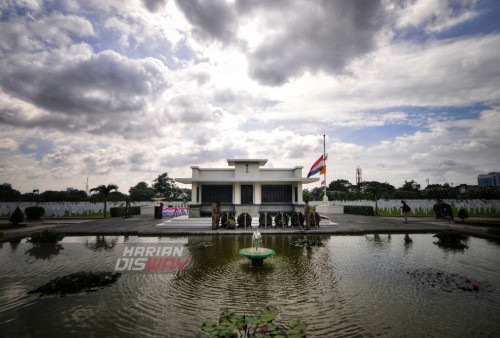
[(245, 186)]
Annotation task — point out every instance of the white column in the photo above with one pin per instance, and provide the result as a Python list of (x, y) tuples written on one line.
[(237, 193), (193, 192), (258, 193), (299, 191)]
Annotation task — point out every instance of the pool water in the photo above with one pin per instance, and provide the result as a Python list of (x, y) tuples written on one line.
[(353, 286)]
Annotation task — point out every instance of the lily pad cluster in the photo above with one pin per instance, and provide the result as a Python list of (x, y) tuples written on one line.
[(452, 239), (76, 283), (306, 243), (448, 282), (46, 236), (234, 325), (199, 244)]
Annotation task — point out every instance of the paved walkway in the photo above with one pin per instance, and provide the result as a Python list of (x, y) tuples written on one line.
[(340, 224)]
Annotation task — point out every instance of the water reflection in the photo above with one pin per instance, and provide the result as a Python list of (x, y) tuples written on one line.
[(353, 286), (102, 243), (45, 251)]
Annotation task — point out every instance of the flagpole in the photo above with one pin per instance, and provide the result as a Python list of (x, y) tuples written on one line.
[(324, 160)]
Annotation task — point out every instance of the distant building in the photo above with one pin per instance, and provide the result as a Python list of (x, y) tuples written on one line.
[(70, 189), (7, 185), (489, 180)]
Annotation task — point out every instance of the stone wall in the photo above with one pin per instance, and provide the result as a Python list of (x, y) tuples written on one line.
[(486, 208), (69, 209)]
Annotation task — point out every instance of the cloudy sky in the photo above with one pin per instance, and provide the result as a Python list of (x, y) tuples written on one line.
[(121, 91)]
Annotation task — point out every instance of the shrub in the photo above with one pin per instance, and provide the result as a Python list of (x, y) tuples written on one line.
[(268, 220), (451, 239), (241, 219), (135, 210), (359, 210), (117, 212), (46, 236), (17, 216), (34, 213), (462, 213)]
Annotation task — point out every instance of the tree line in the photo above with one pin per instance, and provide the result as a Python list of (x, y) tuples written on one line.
[(163, 186), (372, 190)]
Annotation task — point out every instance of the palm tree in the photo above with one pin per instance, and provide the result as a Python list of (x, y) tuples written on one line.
[(376, 191), (104, 191)]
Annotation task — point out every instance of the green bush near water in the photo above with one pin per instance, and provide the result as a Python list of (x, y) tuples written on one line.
[(46, 236)]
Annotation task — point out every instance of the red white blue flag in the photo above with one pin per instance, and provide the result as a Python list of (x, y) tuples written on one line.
[(317, 166)]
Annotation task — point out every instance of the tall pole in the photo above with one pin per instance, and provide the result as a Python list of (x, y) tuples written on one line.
[(324, 159)]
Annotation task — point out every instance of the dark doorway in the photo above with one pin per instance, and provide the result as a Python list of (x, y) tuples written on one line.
[(247, 194)]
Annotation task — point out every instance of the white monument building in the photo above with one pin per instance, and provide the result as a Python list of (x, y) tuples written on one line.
[(246, 187)]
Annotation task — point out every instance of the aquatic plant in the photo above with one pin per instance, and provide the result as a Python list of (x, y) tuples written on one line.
[(452, 239), (306, 243), (234, 325), (199, 244), (76, 283), (46, 236)]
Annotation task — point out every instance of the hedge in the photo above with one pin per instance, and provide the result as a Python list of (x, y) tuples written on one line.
[(117, 212), (34, 213), (359, 210)]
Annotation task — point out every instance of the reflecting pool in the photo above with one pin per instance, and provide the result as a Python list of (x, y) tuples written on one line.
[(353, 286)]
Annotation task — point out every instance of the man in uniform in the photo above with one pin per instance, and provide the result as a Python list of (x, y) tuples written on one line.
[(215, 215), (307, 215)]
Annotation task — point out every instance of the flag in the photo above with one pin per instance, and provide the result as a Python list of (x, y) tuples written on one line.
[(317, 166), (323, 170)]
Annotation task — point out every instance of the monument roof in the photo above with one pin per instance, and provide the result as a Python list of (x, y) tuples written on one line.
[(260, 161)]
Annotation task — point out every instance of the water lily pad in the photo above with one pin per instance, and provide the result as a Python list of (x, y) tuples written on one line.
[(76, 283)]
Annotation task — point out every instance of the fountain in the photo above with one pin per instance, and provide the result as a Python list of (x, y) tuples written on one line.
[(256, 253)]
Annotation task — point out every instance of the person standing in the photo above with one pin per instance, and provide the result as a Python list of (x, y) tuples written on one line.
[(307, 215), (215, 215), (406, 209)]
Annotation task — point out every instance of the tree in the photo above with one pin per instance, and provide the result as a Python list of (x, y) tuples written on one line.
[(103, 191), (7, 194), (306, 195), (141, 192), (340, 185), (165, 186), (376, 191)]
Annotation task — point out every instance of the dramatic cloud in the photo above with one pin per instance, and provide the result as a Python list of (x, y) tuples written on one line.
[(121, 92)]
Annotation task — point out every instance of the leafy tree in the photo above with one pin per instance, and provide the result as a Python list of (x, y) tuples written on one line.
[(141, 192), (7, 194), (306, 195), (375, 192), (103, 191), (340, 185), (166, 187)]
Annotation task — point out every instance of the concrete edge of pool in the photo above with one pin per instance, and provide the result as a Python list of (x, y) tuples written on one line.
[(145, 226)]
